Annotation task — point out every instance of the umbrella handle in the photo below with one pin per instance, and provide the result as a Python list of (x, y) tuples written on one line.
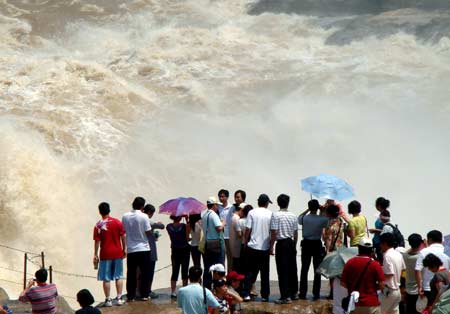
[(310, 195)]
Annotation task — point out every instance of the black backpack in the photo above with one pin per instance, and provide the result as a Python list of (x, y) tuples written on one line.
[(398, 236)]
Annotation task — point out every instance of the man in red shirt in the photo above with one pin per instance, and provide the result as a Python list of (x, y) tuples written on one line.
[(371, 281), (109, 236)]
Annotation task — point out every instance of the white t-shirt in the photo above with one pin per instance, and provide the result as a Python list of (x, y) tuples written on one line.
[(438, 250), (136, 223), (393, 264), (226, 213), (259, 220)]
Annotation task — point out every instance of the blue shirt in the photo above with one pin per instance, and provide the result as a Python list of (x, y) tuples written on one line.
[(376, 235), (190, 299), (210, 220)]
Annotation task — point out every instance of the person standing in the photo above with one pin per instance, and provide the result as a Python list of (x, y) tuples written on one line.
[(357, 226), (225, 213), (363, 274), (410, 258), (109, 237), (213, 234), (149, 210), (424, 275), (40, 294), (195, 299), (137, 228), (284, 230), (236, 235), (393, 265), (179, 235), (257, 239), (196, 230), (312, 248)]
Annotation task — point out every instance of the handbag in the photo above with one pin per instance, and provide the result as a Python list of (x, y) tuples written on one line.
[(345, 301)]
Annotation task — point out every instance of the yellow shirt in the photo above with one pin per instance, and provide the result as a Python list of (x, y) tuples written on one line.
[(358, 225)]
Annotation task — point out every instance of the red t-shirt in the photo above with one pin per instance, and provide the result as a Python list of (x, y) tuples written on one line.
[(108, 231), (368, 285)]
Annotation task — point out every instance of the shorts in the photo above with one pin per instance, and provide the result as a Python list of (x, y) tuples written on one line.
[(110, 269)]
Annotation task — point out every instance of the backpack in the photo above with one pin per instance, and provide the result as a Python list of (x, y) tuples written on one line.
[(398, 236)]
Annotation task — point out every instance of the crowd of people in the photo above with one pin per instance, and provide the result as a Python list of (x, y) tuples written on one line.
[(384, 277)]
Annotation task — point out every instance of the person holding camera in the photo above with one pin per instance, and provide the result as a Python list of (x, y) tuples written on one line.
[(40, 294)]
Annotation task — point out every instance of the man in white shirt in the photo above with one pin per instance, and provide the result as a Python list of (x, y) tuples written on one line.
[(257, 238), (423, 275), (225, 213), (137, 228), (393, 265)]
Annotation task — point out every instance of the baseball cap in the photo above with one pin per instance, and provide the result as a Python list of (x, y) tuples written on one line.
[(213, 200), (365, 242), (242, 205), (219, 268), (232, 275), (264, 198)]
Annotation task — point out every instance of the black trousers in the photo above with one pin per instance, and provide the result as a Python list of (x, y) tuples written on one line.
[(286, 260), (311, 250), (180, 258), (196, 256), (152, 273), (142, 261), (411, 300), (258, 262)]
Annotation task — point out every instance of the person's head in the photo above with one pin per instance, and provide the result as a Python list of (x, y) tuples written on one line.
[(238, 209), (432, 262), (41, 275), (213, 203), (283, 201), (220, 287), (234, 279), (195, 274), (415, 241), (218, 271), (246, 210), (239, 196), (354, 208), (434, 236), (85, 298), (149, 209), (387, 241), (329, 202), (313, 206), (176, 219), (264, 200), (385, 216), (103, 209), (138, 203), (382, 204), (223, 196), (193, 220), (365, 247), (332, 211)]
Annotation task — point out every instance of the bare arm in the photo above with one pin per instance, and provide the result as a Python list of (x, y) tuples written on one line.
[(295, 238), (123, 240), (247, 235), (273, 238), (96, 247), (236, 297), (418, 274)]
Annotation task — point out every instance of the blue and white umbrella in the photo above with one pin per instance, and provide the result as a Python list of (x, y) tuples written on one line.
[(327, 186)]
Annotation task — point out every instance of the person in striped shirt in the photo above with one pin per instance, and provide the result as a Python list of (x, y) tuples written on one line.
[(40, 294)]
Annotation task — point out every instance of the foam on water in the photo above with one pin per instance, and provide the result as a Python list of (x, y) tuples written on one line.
[(106, 100)]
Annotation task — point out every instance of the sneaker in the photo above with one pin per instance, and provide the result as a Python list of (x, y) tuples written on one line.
[(247, 299), (118, 301), (173, 295), (264, 299), (283, 301), (143, 299), (108, 303), (295, 297), (153, 295)]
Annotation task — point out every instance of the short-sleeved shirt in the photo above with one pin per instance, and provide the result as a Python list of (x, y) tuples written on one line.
[(210, 220), (376, 236), (393, 264), (235, 239), (109, 232), (312, 226), (42, 298), (285, 223), (358, 225), (410, 259), (226, 213), (136, 224), (334, 234), (177, 234), (190, 299), (438, 250), (369, 284), (259, 221), (88, 310), (196, 234)]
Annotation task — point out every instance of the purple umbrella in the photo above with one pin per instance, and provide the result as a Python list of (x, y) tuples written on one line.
[(182, 206)]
